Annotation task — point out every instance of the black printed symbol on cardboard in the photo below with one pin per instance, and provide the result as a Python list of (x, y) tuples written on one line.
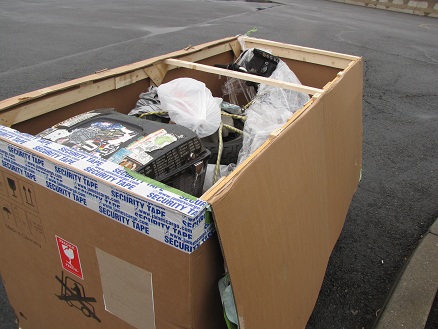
[(12, 185), (13, 188), (73, 293), (28, 195), (8, 212)]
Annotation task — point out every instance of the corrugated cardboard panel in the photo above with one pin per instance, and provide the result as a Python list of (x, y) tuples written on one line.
[(206, 268), (34, 276), (272, 223), (279, 217), (343, 140), (45, 295)]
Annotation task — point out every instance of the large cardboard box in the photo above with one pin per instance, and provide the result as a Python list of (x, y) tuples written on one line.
[(84, 244)]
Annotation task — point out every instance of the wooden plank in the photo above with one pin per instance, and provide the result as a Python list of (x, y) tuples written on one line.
[(31, 110), (130, 78), (237, 49), (303, 54), (98, 83), (122, 70), (155, 68), (16, 100), (206, 53), (243, 76), (300, 48), (156, 72)]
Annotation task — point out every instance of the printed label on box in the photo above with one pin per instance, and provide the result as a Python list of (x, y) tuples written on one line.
[(69, 255)]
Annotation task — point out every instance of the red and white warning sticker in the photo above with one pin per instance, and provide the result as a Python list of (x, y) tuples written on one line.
[(69, 254)]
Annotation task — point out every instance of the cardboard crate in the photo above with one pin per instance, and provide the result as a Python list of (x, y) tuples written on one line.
[(83, 244)]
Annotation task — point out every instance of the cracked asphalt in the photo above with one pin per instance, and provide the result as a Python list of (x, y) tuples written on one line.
[(47, 42)]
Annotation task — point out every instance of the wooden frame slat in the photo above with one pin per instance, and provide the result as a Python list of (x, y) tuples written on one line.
[(52, 103), (129, 78), (122, 70), (243, 76), (156, 73), (16, 109), (302, 54), (206, 53)]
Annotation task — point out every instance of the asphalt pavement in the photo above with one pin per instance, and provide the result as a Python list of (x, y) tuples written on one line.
[(396, 203)]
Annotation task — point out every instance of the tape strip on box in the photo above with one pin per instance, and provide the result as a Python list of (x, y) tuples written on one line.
[(107, 189)]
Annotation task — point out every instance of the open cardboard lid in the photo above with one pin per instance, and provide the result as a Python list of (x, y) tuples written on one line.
[(278, 216)]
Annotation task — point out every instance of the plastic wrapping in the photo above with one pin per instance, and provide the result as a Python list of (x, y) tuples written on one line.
[(254, 61), (228, 303), (148, 102), (224, 170), (232, 108), (233, 88), (270, 109), (190, 104)]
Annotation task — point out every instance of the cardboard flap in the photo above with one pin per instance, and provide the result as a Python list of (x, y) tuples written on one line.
[(275, 222), (273, 228)]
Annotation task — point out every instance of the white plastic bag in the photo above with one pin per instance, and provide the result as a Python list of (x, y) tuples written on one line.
[(190, 104)]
